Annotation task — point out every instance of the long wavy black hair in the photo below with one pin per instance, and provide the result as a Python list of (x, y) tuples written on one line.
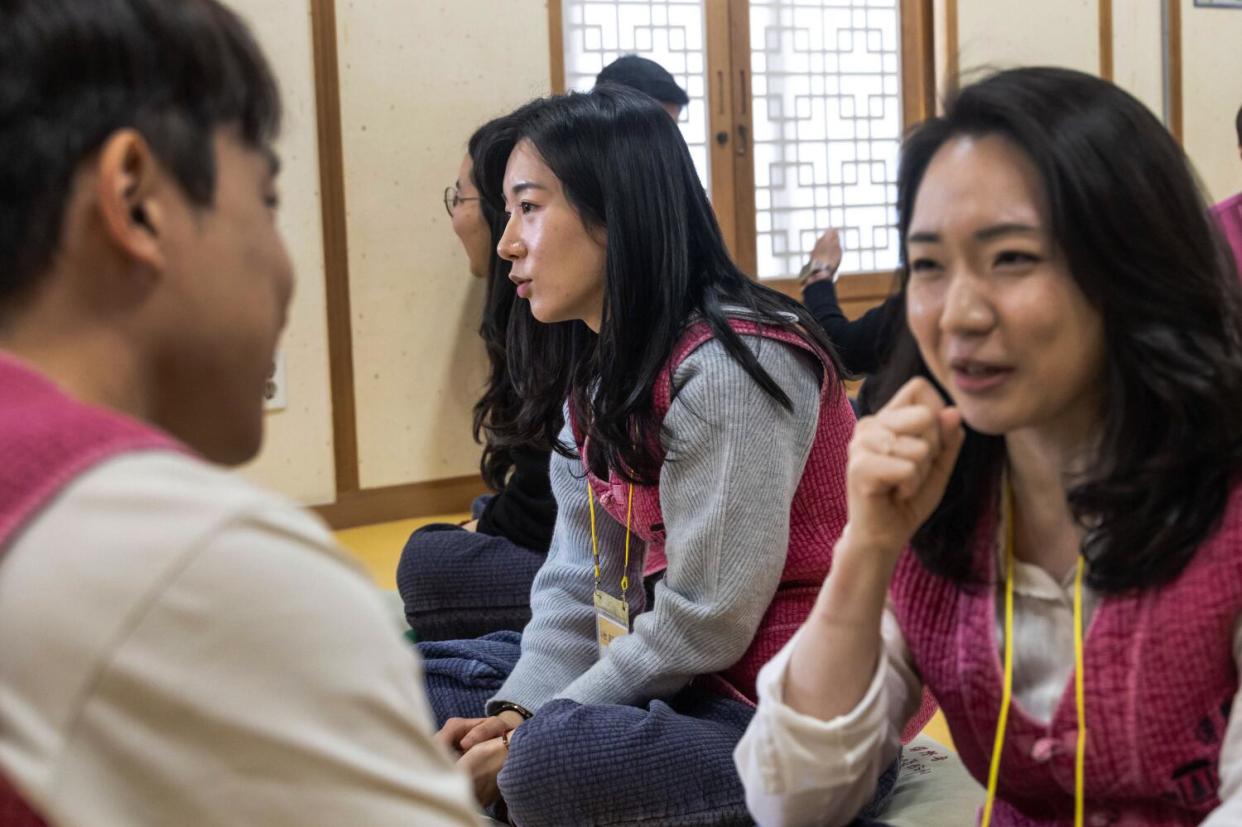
[(1128, 215), (624, 167), (508, 330)]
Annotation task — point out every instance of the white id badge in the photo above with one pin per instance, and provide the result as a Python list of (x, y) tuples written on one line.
[(612, 619)]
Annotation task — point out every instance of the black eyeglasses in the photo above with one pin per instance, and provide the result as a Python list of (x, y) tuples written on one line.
[(452, 198)]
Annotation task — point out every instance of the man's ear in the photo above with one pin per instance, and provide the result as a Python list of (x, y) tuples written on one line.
[(130, 183)]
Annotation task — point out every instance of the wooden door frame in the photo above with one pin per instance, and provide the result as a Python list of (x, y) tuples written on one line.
[(355, 505), (730, 122)]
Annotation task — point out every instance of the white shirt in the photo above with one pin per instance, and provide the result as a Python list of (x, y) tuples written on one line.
[(800, 770), (180, 647)]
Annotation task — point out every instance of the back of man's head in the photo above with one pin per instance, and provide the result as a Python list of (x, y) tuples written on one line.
[(136, 211), (1237, 123), (645, 76), (72, 72)]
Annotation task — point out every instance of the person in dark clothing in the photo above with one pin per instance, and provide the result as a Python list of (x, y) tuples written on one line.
[(648, 77), (863, 342), (469, 580)]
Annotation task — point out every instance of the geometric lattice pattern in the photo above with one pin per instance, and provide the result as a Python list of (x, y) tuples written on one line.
[(827, 128), (670, 32)]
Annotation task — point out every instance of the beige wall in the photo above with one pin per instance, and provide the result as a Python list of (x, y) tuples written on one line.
[(1212, 93), (416, 79), (417, 76), (297, 455), (1006, 33), (1138, 48)]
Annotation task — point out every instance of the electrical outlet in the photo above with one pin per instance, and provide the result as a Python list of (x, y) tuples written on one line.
[(274, 390)]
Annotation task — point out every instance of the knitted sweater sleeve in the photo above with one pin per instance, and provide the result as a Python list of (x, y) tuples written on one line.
[(734, 457), (558, 644), (726, 488)]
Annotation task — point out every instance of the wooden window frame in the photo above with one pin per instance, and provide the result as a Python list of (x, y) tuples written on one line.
[(356, 505), (730, 125), (728, 57)]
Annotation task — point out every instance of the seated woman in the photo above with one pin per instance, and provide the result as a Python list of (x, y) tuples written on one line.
[(448, 575), (1065, 571), (704, 450)]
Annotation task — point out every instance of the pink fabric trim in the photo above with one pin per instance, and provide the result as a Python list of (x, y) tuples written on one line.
[(1159, 679), (46, 441)]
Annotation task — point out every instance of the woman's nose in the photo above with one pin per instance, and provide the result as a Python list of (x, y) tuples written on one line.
[(967, 307), (510, 247)]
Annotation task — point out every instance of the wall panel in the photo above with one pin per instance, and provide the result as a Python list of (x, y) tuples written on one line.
[(297, 453), (1006, 33), (416, 79), (1212, 93)]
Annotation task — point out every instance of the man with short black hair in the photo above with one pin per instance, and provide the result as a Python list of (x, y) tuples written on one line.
[(176, 646), (646, 76), (1228, 213)]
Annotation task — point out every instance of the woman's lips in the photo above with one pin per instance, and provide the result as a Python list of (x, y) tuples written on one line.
[(523, 286), (979, 377)]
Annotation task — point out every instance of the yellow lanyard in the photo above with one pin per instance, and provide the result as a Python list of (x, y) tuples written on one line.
[(629, 512), (1080, 703)]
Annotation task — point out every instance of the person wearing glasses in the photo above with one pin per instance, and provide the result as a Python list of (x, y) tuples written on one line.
[(469, 580), (448, 574), (702, 452)]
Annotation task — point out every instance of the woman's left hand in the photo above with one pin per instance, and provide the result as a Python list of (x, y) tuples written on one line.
[(485, 729), (483, 763)]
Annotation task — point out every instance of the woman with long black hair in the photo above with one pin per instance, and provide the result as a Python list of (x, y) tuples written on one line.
[(447, 576), (1045, 515), (702, 457)]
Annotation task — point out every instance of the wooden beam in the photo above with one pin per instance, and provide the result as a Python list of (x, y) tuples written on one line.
[(745, 249), (720, 119), (556, 45), (401, 502), (918, 62), (1174, 34), (1106, 39), (335, 245), (864, 289)]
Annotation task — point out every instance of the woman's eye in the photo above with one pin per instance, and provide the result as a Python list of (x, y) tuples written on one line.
[(923, 265), (1015, 258), (526, 207)]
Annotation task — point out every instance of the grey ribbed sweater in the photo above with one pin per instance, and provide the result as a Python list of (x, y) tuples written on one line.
[(734, 457)]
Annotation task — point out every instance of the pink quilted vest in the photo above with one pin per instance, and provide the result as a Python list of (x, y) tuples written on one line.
[(1228, 215), (817, 514), (46, 441), (1159, 681)]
